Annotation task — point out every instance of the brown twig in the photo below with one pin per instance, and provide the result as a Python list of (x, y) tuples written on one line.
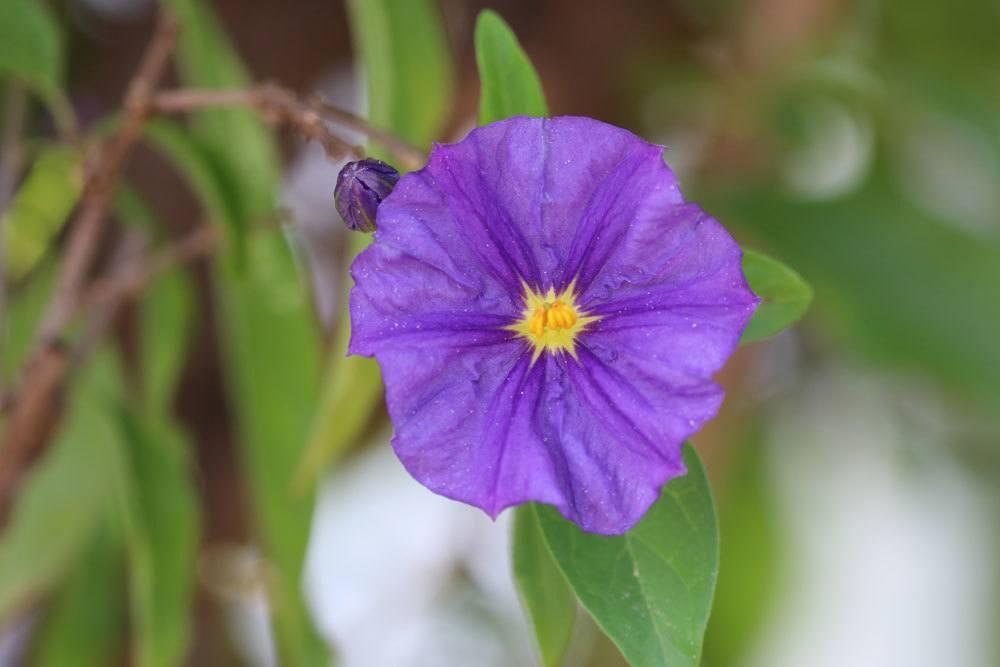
[(100, 187), (307, 117), (409, 156), (32, 409), (273, 101), (143, 271)]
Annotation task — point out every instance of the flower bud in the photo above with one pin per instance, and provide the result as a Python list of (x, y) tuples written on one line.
[(361, 187)]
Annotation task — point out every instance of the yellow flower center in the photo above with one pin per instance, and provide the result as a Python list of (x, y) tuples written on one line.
[(551, 321)]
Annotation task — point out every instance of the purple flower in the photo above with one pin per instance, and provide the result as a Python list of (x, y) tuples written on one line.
[(361, 187), (548, 312)]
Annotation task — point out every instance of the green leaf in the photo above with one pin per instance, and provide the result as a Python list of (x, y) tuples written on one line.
[(165, 312), (242, 151), (753, 553), (25, 307), (544, 592), (271, 346), (162, 523), (272, 353), (509, 83), (899, 285), (187, 156), (403, 47), (650, 589), (786, 296), (165, 327), (41, 207), (32, 47), (83, 627), (67, 494)]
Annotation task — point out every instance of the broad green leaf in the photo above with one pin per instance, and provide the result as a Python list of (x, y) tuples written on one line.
[(65, 498), (786, 296), (509, 85), (83, 625), (41, 207), (161, 520), (650, 589), (404, 51), (242, 151), (546, 595), (403, 48)]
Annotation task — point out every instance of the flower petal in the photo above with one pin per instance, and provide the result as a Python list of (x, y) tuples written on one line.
[(672, 296), (416, 282), (487, 427), (464, 423), (544, 200)]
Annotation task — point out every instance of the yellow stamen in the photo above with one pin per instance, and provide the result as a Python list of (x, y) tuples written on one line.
[(550, 321)]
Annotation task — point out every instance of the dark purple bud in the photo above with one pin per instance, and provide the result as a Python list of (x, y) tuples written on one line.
[(361, 187)]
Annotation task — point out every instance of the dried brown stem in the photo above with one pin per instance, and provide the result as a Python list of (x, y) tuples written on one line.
[(143, 271), (409, 156), (100, 187), (307, 117)]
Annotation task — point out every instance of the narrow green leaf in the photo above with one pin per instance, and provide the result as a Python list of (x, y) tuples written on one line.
[(25, 307), (752, 563), (165, 313), (272, 354), (68, 493), (165, 316), (404, 51), (650, 589), (403, 48), (509, 83), (83, 626), (271, 346), (32, 47), (41, 207), (240, 147), (546, 595), (786, 296), (161, 520), (187, 156)]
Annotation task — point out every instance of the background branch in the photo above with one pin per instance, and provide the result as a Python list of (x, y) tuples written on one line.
[(306, 116)]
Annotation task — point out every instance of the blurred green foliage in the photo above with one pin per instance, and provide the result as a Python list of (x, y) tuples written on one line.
[(41, 207), (265, 307)]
